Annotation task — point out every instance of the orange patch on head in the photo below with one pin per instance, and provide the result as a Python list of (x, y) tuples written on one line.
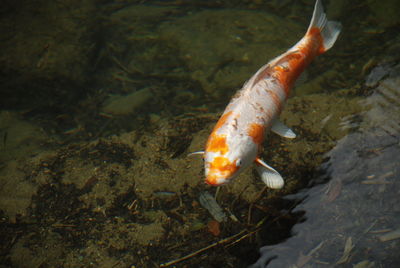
[(256, 132), (217, 143), (223, 164)]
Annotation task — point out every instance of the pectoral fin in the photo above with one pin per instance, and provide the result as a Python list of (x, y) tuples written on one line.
[(268, 175), (279, 128)]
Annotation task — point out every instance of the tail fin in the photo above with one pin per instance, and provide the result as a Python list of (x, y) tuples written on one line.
[(329, 29)]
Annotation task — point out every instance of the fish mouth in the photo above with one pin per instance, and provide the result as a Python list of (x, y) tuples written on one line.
[(215, 180), (215, 183), (220, 170)]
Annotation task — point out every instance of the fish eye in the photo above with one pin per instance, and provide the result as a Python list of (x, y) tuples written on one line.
[(238, 162)]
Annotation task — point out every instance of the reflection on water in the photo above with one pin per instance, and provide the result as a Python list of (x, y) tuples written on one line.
[(101, 102)]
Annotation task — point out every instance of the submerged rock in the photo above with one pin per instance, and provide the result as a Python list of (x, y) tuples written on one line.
[(125, 105), (361, 198)]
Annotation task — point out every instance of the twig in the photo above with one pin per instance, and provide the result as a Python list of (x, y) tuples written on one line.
[(220, 242), (130, 71), (120, 65), (253, 202), (244, 236), (62, 225), (223, 241), (238, 196), (250, 209)]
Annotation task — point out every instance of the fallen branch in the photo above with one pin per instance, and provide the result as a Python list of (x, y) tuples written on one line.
[(231, 239), (220, 242)]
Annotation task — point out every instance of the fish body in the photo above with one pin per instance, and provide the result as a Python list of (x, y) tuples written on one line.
[(237, 137)]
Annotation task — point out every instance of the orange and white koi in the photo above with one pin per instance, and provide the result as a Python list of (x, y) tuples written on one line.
[(236, 139)]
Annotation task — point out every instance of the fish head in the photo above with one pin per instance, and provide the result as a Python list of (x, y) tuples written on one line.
[(226, 157)]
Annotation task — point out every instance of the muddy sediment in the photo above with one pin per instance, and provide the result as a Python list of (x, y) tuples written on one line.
[(138, 193)]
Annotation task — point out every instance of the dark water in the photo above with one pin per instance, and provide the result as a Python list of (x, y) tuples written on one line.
[(101, 101)]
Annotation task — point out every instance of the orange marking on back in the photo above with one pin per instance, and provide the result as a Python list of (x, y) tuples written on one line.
[(275, 98), (256, 132), (263, 74), (295, 65), (290, 66), (297, 61)]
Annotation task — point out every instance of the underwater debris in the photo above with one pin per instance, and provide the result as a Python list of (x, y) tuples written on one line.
[(364, 264), (209, 203), (348, 247), (304, 259), (334, 190), (390, 236), (164, 194), (214, 227)]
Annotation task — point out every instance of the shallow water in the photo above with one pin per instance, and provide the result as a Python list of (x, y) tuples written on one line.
[(101, 102)]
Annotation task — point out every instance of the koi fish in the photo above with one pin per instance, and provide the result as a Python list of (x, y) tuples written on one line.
[(237, 137)]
